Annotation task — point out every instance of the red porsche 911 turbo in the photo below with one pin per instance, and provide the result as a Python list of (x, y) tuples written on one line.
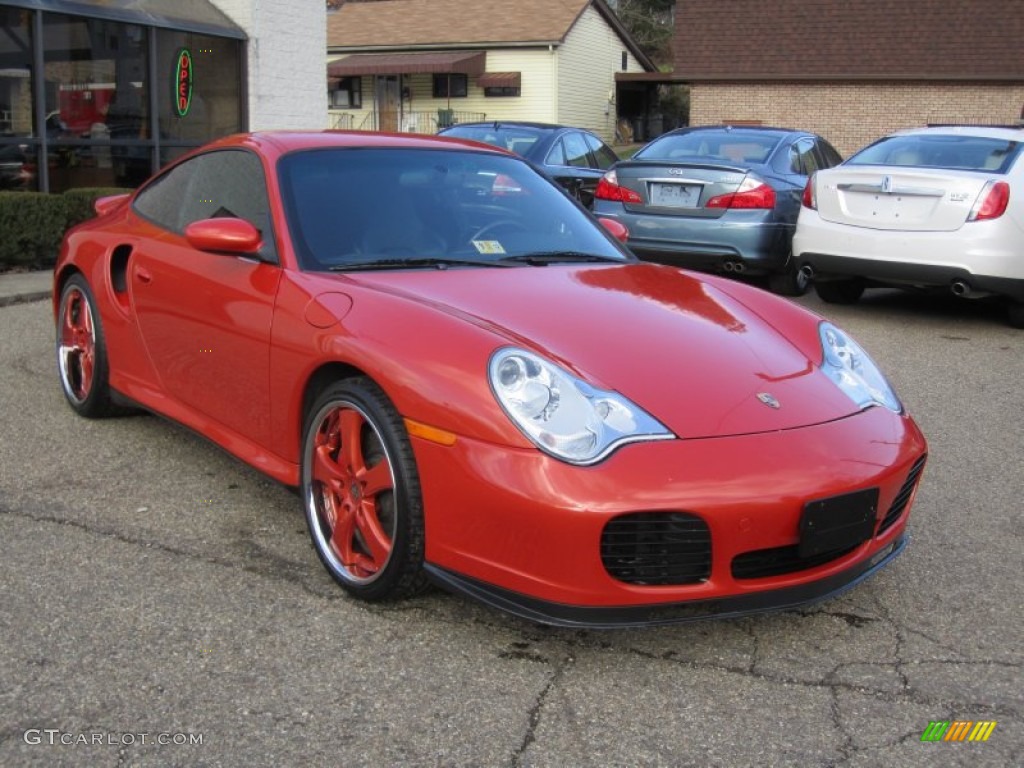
[(473, 383)]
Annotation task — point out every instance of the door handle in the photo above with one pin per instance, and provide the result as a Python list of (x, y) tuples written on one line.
[(144, 276)]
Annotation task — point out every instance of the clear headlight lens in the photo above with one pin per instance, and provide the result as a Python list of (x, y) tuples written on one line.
[(564, 415), (854, 372)]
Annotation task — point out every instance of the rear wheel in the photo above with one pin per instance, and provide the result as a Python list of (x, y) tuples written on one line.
[(81, 352), (361, 492), (846, 291), (790, 282), (1015, 314)]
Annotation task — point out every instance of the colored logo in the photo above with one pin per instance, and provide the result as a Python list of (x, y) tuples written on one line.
[(183, 82), (958, 730)]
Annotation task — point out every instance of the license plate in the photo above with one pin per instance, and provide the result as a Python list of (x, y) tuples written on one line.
[(675, 195), (839, 522)]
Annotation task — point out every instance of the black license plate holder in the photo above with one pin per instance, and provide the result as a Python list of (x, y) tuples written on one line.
[(838, 522)]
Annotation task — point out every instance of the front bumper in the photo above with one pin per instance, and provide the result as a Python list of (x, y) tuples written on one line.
[(523, 531), (560, 615)]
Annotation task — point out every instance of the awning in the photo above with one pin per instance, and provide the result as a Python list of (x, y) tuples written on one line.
[(468, 63), (499, 80), (200, 16)]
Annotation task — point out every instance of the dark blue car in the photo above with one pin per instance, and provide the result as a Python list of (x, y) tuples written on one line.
[(575, 158), (717, 199)]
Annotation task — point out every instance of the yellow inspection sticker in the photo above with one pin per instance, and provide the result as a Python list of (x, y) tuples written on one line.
[(488, 246)]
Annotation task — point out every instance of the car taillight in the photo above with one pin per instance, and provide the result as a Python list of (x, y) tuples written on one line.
[(752, 193), (608, 189), (992, 201), (809, 199)]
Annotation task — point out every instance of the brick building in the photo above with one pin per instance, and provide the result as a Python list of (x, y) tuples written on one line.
[(851, 70)]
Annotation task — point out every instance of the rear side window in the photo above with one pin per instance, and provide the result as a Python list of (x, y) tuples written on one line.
[(602, 154), (802, 158), (830, 155), (947, 152)]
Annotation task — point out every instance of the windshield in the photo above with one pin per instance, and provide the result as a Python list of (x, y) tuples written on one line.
[(708, 146), (948, 152), (358, 207)]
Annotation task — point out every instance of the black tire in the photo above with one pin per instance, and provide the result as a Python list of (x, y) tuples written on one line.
[(82, 353), (1015, 313), (790, 282), (371, 489), (846, 291)]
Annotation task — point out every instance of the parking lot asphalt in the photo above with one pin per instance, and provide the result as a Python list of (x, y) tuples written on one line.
[(156, 590)]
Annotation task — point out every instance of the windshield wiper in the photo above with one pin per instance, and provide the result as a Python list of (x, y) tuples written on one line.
[(541, 258), (432, 262)]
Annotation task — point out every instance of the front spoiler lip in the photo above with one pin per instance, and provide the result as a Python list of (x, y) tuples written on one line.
[(621, 617)]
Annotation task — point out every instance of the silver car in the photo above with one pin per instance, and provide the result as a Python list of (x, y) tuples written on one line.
[(931, 209)]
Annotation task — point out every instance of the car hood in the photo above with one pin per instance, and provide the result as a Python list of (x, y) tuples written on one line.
[(694, 357)]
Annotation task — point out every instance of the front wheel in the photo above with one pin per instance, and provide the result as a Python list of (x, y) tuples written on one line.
[(846, 291), (361, 492)]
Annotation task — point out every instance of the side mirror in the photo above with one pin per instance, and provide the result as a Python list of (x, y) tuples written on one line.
[(223, 236), (106, 204), (616, 229)]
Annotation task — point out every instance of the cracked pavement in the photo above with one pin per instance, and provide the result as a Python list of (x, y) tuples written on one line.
[(152, 584)]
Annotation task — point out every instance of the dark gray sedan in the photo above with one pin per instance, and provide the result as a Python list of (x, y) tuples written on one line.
[(575, 158), (717, 199)]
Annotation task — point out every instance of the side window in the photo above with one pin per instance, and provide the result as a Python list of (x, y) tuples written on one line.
[(576, 150), (161, 201), (830, 156), (802, 157), (605, 157), (224, 183)]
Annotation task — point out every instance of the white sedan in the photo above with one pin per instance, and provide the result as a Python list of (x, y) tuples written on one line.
[(924, 209)]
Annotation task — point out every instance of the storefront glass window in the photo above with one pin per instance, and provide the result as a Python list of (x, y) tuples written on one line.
[(97, 108), (199, 90), (17, 149)]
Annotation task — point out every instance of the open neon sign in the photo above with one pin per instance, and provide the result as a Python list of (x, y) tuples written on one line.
[(183, 82)]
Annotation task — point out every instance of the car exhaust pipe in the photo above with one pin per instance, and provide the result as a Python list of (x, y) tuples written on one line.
[(960, 288), (734, 266), (807, 272), (727, 266)]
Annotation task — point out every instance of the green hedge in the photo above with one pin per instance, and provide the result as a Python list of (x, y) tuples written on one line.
[(32, 223)]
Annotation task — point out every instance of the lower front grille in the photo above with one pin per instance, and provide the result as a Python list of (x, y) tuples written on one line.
[(657, 548), (903, 497), (761, 563)]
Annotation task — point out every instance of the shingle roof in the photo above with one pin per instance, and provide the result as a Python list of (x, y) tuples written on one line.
[(850, 39), (406, 23)]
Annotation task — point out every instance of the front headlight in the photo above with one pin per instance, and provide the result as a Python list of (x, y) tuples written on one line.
[(563, 415), (854, 372)]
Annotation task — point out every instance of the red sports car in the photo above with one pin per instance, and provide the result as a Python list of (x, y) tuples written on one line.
[(475, 384)]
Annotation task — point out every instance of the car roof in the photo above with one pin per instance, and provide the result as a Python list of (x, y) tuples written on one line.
[(288, 141), (517, 124), (981, 131), (741, 129)]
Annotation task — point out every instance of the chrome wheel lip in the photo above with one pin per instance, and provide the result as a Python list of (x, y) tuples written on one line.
[(313, 512), (66, 353)]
